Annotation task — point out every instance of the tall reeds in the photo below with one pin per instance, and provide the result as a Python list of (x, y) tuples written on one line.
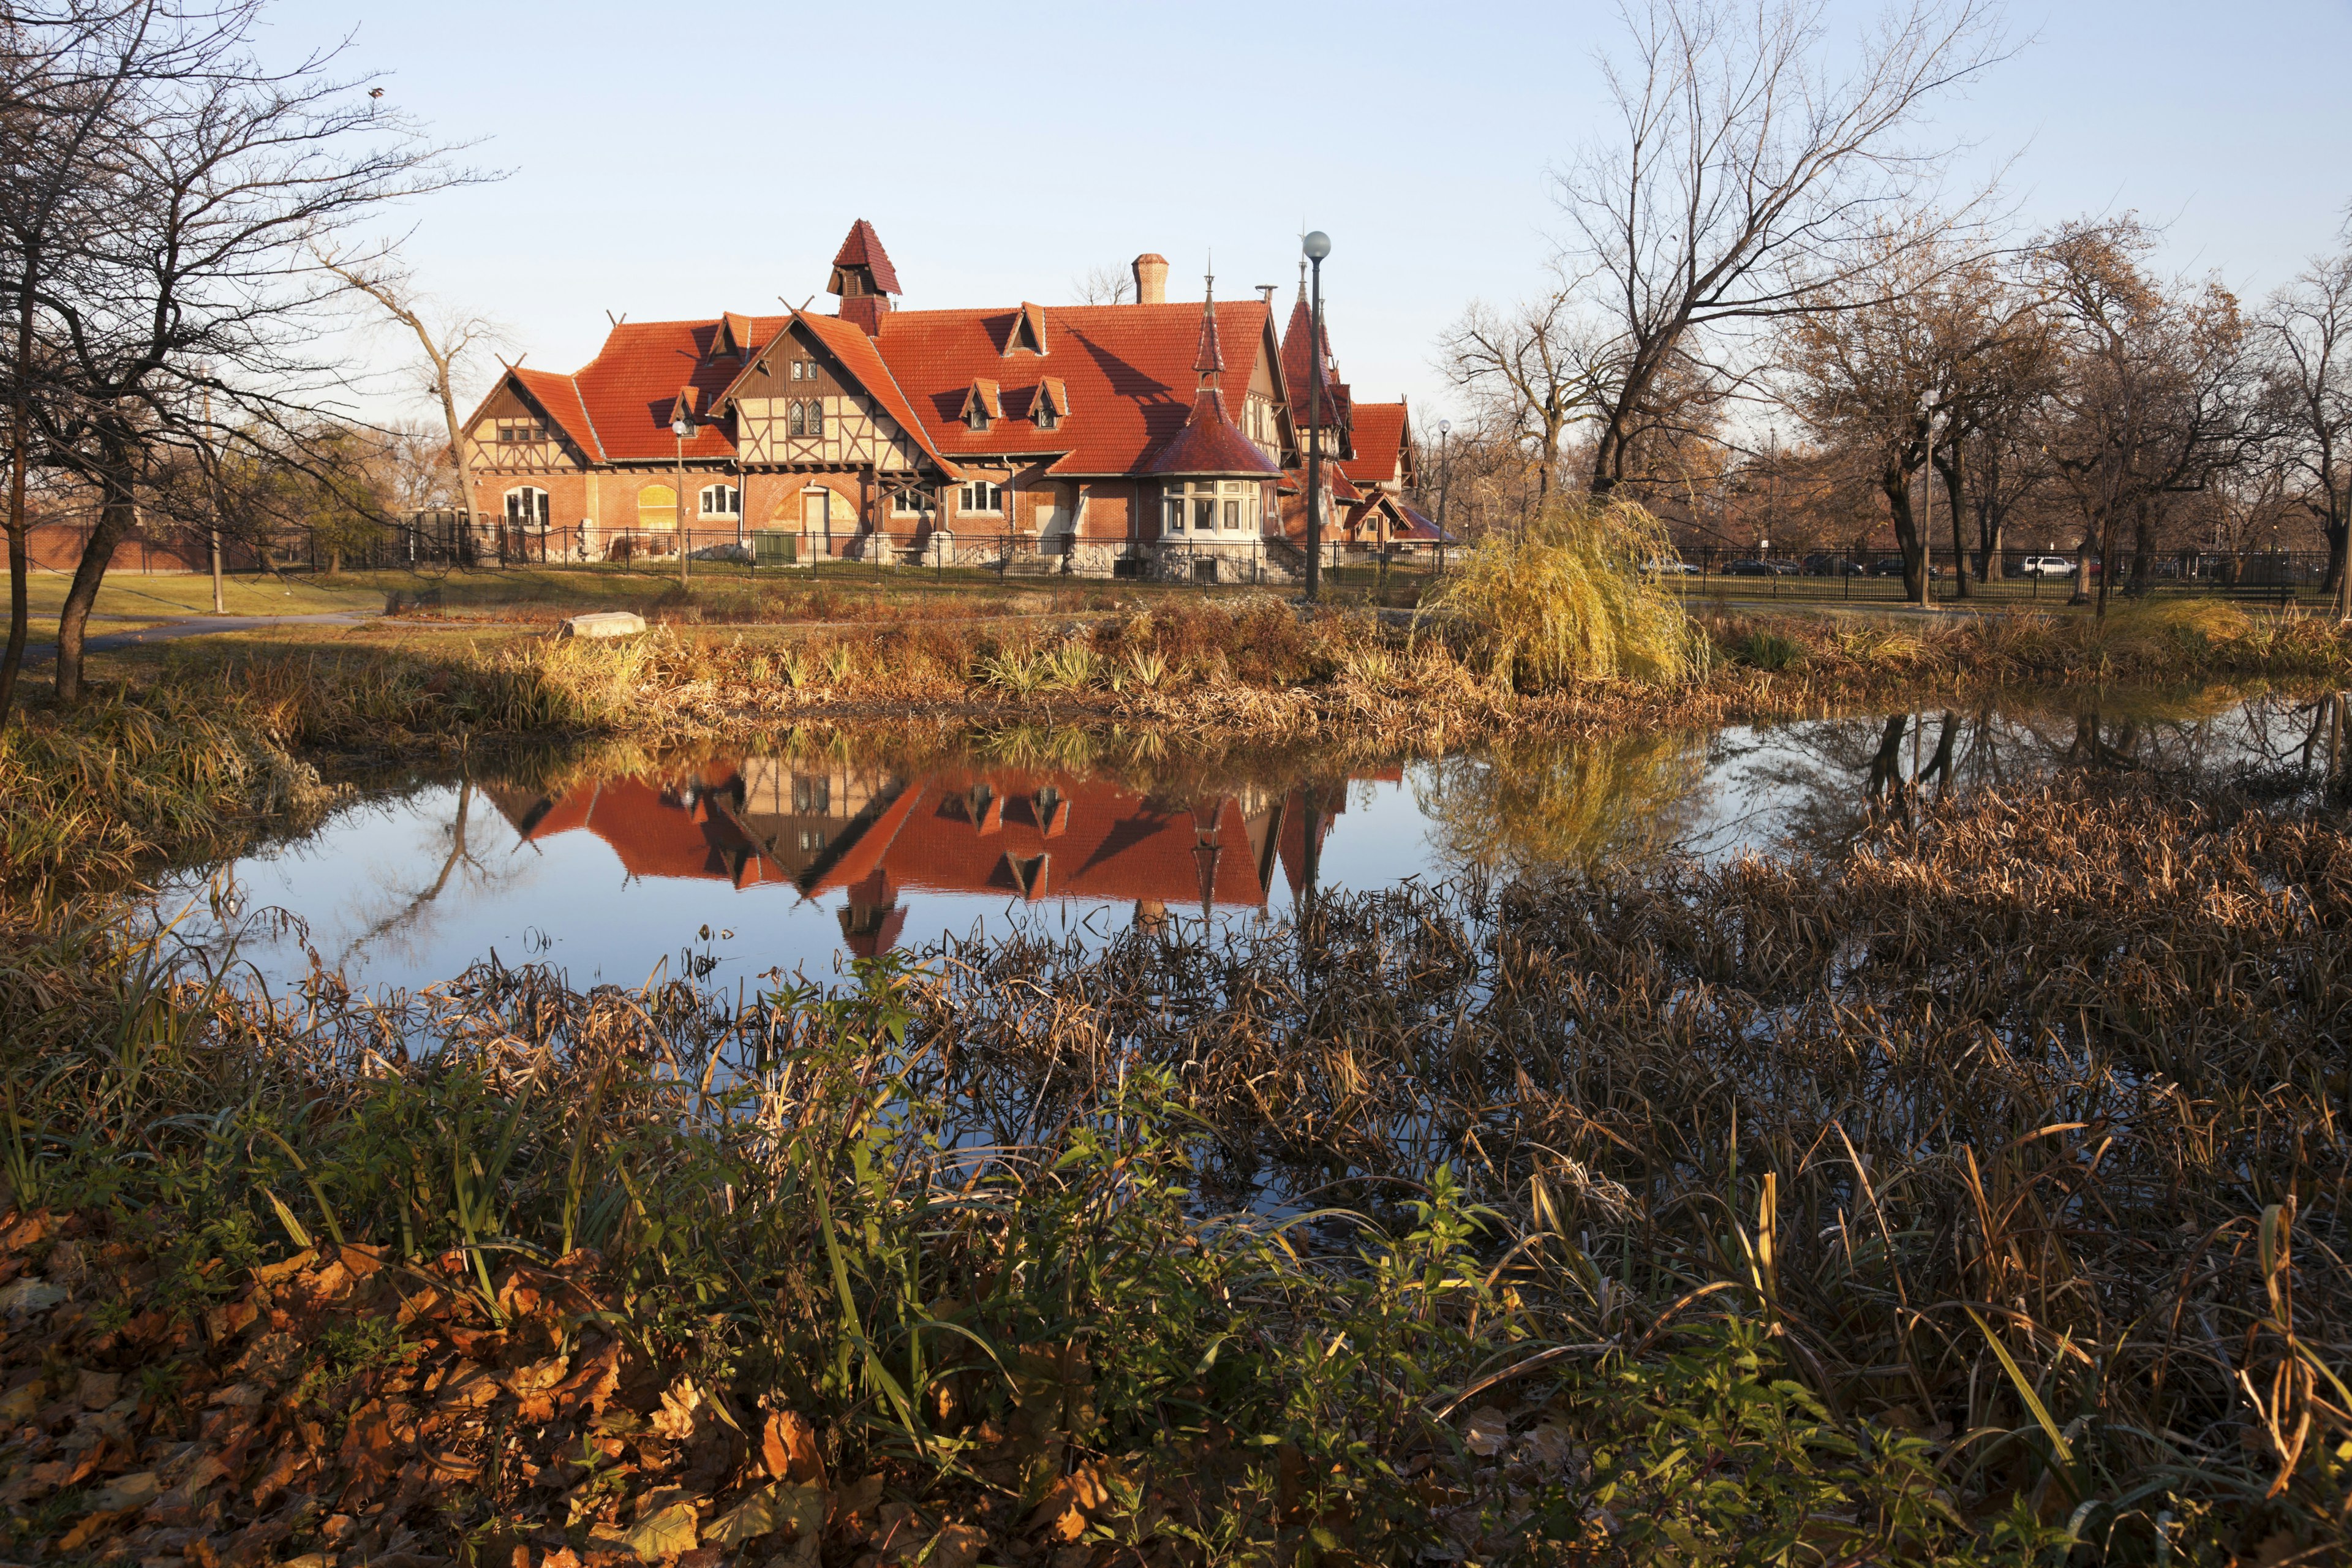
[(1974, 1196)]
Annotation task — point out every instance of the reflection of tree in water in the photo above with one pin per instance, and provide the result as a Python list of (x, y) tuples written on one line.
[(402, 914), (1524, 807), (1834, 777)]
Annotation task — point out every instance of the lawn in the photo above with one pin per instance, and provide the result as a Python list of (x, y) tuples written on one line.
[(129, 600)]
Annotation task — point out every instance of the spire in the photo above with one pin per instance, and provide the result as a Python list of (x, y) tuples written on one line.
[(1211, 361)]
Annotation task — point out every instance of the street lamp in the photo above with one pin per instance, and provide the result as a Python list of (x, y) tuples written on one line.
[(682, 427), (1317, 246), (1444, 474)]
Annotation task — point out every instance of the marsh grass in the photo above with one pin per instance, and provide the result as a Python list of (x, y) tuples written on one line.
[(1972, 1198)]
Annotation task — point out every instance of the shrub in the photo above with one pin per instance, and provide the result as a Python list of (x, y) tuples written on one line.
[(1570, 601)]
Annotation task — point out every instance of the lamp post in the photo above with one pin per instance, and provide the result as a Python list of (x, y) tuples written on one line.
[(1445, 475), (682, 427), (1317, 246)]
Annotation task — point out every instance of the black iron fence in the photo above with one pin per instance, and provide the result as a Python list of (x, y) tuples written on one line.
[(2272, 576)]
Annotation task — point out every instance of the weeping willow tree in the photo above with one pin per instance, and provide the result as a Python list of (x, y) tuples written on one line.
[(1568, 601)]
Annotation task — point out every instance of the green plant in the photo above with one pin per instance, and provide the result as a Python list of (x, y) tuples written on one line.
[(1567, 599)]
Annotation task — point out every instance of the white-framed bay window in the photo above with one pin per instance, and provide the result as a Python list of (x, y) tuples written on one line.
[(1208, 507)]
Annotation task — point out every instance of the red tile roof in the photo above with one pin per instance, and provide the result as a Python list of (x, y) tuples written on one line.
[(627, 393), (863, 248), (1125, 367), (1123, 373), (559, 396), (1209, 443), (1379, 444)]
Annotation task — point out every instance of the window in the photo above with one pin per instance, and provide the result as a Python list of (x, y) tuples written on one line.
[(909, 501), (657, 508), (800, 368), (722, 501), (812, 796), (521, 432), (975, 417), (1204, 514), (1046, 419), (1233, 514), (815, 417), (1172, 513), (527, 506), (805, 418), (812, 841), (982, 497), (795, 423)]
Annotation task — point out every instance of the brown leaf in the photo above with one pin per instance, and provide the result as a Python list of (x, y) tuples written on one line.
[(857, 1508), (675, 1419), (97, 1390), (269, 1273), (370, 1454), (278, 1477), (230, 1319), (788, 1448), (955, 1546), (592, 1381), (91, 1527), (561, 1557), (781, 1508)]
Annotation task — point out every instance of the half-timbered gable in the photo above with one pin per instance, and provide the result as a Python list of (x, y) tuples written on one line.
[(798, 406)]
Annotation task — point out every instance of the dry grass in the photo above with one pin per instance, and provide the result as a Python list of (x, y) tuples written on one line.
[(1977, 1197)]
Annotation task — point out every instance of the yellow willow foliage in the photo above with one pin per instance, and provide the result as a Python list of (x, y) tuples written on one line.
[(1570, 600)]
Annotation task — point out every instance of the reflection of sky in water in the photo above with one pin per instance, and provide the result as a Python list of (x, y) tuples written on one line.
[(548, 878)]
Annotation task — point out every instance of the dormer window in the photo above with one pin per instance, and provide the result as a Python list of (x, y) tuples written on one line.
[(982, 407), (1051, 402), (521, 432), (1027, 333)]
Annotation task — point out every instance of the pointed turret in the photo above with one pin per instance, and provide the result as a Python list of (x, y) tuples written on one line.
[(1211, 443)]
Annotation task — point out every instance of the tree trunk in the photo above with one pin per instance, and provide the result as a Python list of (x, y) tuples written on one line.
[(1949, 468), (117, 515), (20, 449), (2143, 547), (1894, 480)]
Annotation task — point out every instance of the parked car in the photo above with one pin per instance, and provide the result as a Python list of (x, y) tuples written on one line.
[(1892, 566), (2045, 566), (1833, 566), (1747, 568), (1783, 568), (1671, 568)]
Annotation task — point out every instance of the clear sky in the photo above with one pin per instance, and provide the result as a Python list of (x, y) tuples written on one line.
[(674, 160)]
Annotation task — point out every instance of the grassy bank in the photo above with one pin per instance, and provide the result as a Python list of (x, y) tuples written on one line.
[(1254, 667), (1977, 1197)]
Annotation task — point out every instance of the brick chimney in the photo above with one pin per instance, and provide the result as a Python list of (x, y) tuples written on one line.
[(1150, 280)]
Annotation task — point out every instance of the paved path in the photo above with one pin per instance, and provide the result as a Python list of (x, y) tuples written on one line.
[(197, 627)]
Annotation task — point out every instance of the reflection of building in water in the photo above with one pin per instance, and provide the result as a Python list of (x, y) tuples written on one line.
[(747, 823), (872, 836)]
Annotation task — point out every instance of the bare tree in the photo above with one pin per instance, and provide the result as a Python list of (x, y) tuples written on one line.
[(1747, 178), (192, 313), (65, 71), (444, 342), (2153, 392), (1896, 369), (2306, 341), (1103, 284), (1528, 369)]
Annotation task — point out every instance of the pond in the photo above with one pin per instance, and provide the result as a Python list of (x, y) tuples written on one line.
[(736, 868)]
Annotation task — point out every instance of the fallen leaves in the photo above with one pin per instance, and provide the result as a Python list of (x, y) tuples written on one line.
[(341, 1408)]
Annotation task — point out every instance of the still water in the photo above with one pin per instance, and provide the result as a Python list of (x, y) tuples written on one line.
[(732, 867)]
